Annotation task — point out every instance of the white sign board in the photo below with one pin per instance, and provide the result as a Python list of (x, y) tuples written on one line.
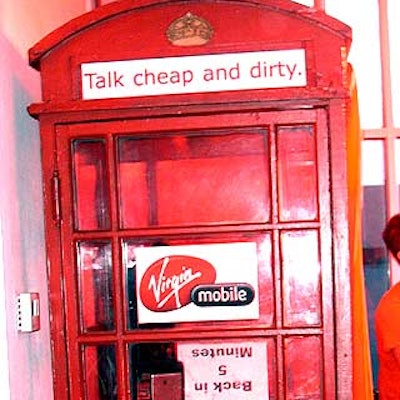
[(194, 74), (228, 370), (210, 282)]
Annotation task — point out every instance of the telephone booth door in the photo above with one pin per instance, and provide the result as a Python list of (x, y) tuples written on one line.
[(211, 184), (197, 236)]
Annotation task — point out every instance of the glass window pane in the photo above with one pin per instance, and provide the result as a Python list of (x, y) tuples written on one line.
[(204, 370), (234, 369), (95, 286), (272, 368), (155, 372), (397, 164), (394, 34), (376, 265), (297, 173), (100, 372), (301, 278), (265, 277), (304, 369), (90, 184), (217, 177)]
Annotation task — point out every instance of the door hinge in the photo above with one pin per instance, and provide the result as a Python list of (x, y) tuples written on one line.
[(56, 197)]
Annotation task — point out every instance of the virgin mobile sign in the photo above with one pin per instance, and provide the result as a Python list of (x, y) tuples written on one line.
[(194, 74), (197, 283)]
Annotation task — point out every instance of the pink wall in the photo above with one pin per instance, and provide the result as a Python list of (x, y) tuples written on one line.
[(24, 22), (23, 263), (26, 373)]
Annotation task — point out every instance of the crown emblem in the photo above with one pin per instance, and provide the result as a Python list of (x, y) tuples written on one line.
[(189, 30)]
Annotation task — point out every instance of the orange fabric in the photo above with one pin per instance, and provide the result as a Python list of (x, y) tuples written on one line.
[(362, 372)]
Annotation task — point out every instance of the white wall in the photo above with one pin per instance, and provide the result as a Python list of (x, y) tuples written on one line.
[(25, 362), (22, 262)]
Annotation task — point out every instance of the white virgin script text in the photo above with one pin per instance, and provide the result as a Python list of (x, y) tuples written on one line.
[(171, 284)]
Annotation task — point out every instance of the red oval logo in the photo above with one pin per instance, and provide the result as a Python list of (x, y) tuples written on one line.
[(167, 283)]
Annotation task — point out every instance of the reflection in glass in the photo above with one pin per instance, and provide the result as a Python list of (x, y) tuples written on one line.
[(95, 286), (303, 365), (90, 185), (129, 262), (100, 373), (214, 177), (155, 372), (272, 368), (301, 278), (297, 173), (376, 263)]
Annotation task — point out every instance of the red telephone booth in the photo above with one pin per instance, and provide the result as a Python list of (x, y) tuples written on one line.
[(194, 164)]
